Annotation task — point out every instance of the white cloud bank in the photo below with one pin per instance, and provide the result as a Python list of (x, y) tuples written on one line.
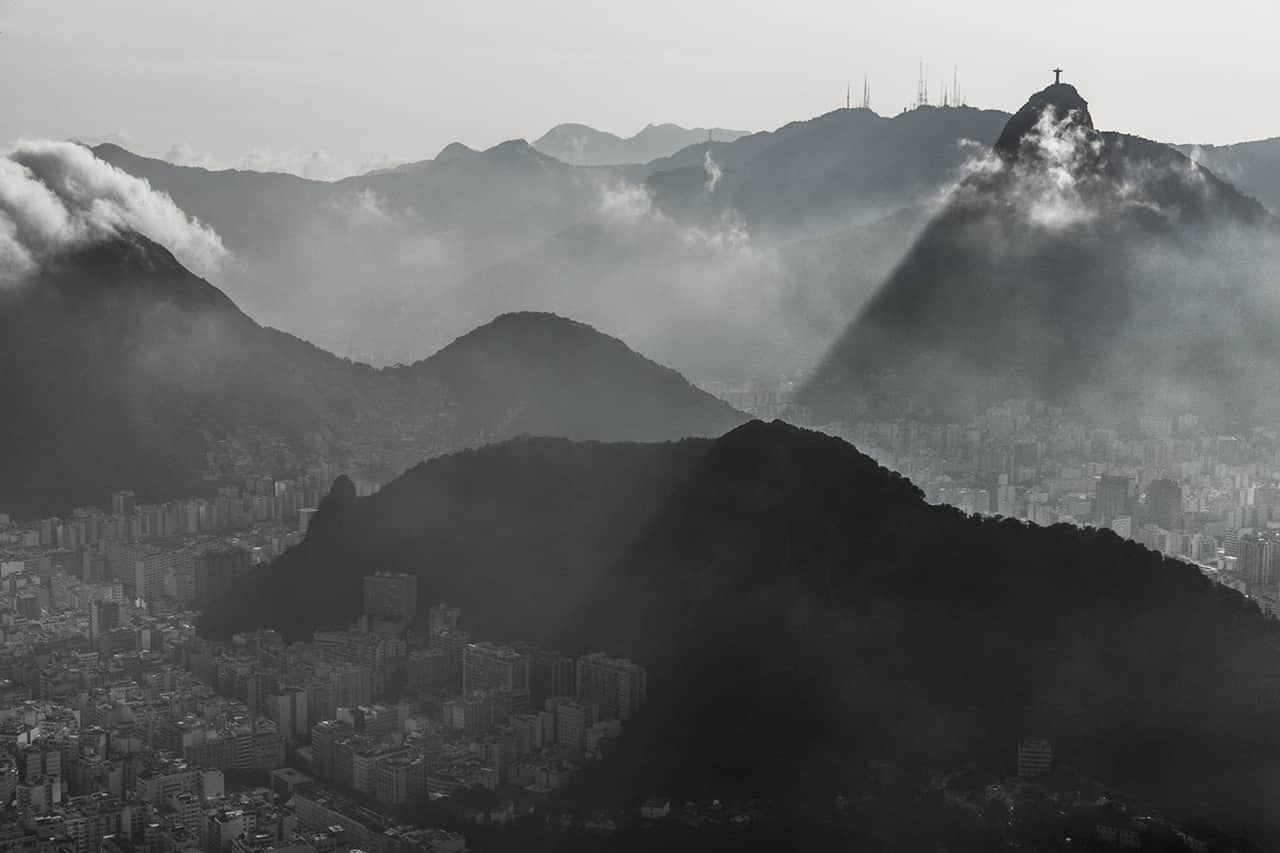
[(57, 196)]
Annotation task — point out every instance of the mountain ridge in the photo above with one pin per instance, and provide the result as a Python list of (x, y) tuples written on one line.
[(175, 370), (792, 575), (1052, 249), (582, 145)]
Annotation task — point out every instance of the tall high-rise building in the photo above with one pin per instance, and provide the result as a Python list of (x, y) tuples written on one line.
[(553, 674), (1112, 498), (572, 720), (442, 616), (391, 596), (454, 643), (103, 617), (304, 519), (8, 779), (1164, 504), (351, 686), (1026, 454), (288, 709), (1258, 555), (489, 667), (617, 685), (1035, 757), (122, 503)]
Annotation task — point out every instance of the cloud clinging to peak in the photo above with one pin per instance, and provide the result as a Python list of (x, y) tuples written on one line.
[(57, 196)]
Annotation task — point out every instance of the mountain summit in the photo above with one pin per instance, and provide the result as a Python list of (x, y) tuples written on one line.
[(1058, 104), (1076, 266)]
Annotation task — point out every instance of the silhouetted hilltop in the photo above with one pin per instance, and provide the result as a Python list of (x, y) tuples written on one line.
[(125, 370), (455, 149), (1077, 266), (581, 145), (542, 374), (517, 533), (1062, 103), (803, 612), (841, 165), (124, 367)]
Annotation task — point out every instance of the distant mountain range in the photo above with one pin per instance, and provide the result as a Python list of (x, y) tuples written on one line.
[(382, 256), (847, 164), (803, 612), (385, 266), (1075, 266), (127, 371), (732, 261), (580, 145), (1254, 167)]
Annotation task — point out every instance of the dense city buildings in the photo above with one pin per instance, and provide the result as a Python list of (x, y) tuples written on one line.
[(1166, 482), (487, 667), (120, 729), (115, 719)]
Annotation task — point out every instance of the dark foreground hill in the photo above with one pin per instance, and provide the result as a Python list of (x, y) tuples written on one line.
[(125, 370), (1077, 266), (803, 612)]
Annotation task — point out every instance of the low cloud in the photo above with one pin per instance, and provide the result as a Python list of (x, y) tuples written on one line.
[(1066, 175), (714, 172), (57, 197), (1046, 182)]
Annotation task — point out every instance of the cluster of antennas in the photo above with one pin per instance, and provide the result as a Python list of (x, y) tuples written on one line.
[(865, 103), (947, 96)]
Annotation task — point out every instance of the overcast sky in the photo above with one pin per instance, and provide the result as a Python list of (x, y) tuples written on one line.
[(366, 81)]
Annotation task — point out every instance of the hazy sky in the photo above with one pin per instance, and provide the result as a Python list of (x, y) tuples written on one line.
[(361, 82)]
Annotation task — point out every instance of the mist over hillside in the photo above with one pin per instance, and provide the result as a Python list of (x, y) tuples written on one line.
[(728, 260), (127, 369), (1254, 167), (1079, 267)]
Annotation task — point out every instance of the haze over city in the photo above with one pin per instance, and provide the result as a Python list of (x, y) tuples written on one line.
[(491, 428)]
